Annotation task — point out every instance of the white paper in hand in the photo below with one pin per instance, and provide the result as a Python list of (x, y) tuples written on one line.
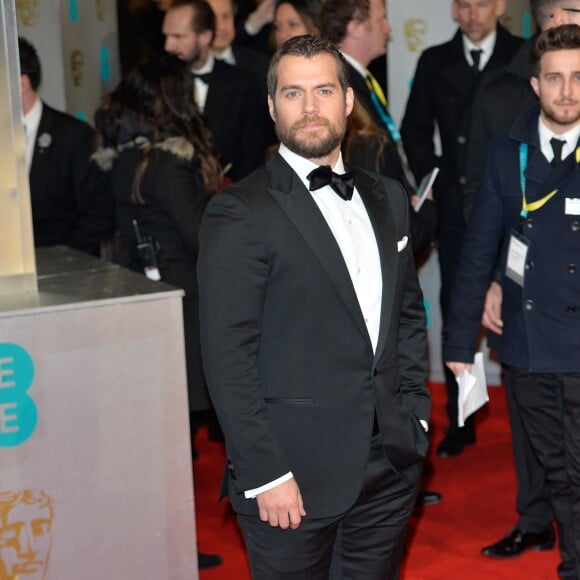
[(472, 392)]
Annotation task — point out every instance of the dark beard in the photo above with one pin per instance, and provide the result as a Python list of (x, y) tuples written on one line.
[(312, 148)]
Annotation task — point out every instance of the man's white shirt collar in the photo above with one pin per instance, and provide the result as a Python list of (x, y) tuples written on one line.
[(486, 48), (227, 55), (303, 166), (207, 66), (355, 64), (570, 137)]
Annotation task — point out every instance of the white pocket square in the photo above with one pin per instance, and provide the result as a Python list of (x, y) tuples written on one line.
[(402, 244)]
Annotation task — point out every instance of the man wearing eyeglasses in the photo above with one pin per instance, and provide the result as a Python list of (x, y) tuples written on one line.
[(500, 99)]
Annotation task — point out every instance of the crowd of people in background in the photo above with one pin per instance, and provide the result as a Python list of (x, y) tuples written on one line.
[(194, 113)]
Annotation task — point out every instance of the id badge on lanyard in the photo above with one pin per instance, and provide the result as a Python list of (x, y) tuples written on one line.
[(516, 257), (519, 245)]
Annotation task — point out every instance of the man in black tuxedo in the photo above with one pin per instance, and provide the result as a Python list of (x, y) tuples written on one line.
[(71, 203), (313, 340), (441, 96), (228, 95)]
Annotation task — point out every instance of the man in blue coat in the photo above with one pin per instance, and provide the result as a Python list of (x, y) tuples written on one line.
[(441, 98), (528, 210)]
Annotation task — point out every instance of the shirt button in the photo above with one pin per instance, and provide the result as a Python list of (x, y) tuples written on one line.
[(530, 223), (575, 226), (529, 304), (530, 265), (571, 309), (572, 268)]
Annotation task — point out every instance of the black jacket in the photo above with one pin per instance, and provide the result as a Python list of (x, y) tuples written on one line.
[(442, 92), (71, 203)]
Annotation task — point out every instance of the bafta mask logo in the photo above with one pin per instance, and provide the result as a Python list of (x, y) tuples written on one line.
[(26, 11), (101, 8), (25, 534), (415, 30), (77, 62)]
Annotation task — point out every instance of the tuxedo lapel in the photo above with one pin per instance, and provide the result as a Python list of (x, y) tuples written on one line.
[(372, 193), (302, 211)]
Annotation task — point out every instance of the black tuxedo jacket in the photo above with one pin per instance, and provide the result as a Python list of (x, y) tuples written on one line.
[(71, 203), (236, 117), (286, 352), (442, 93)]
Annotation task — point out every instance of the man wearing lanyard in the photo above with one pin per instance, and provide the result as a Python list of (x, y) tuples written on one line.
[(441, 96), (361, 30), (528, 210)]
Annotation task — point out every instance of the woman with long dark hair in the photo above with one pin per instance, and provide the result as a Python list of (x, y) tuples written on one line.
[(163, 169)]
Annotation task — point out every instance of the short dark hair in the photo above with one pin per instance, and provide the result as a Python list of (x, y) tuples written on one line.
[(565, 37), (29, 62), (336, 14), (203, 16), (308, 46)]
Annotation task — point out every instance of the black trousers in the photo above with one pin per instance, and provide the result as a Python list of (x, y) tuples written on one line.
[(366, 542), (533, 494), (549, 406), (449, 241)]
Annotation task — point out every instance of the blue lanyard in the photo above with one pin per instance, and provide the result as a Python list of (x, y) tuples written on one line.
[(523, 166), (386, 118)]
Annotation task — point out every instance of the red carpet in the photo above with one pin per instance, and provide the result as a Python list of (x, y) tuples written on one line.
[(444, 540)]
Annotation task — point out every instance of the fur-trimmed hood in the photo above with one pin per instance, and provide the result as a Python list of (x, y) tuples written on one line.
[(105, 157)]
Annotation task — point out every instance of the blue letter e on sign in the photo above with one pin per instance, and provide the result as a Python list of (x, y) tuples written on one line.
[(18, 414)]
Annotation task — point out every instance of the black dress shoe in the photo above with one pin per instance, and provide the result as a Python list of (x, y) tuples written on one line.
[(205, 561), (427, 497), (450, 446), (518, 542)]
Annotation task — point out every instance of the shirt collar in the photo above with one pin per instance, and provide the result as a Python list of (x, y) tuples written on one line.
[(486, 47), (32, 118), (303, 166), (207, 67), (355, 64), (227, 55), (570, 137)]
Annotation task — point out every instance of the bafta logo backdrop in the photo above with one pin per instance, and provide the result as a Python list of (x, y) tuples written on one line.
[(27, 11), (77, 43)]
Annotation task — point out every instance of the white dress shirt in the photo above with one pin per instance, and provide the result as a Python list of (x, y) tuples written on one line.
[(200, 87), (352, 229), (31, 123), (570, 138)]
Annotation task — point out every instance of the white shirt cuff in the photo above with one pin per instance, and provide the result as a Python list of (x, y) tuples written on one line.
[(252, 493), (424, 424)]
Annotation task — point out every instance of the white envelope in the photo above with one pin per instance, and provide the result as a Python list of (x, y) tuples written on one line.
[(472, 392)]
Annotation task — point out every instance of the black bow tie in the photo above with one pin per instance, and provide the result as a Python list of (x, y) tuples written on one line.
[(205, 77), (323, 175)]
